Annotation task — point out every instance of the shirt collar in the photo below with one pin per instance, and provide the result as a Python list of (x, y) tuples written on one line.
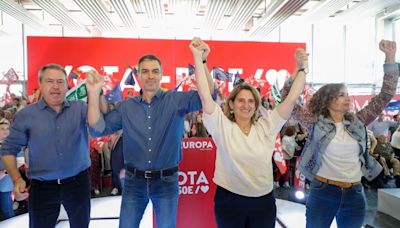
[(140, 97), (42, 104)]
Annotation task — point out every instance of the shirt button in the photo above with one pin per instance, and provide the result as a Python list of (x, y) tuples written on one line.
[(149, 106), (149, 117), (149, 161), (149, 150), (149, 139), (149, 128)]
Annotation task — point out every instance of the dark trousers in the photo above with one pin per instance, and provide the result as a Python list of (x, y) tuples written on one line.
[(233, 210), (6, 205), (46, 197)]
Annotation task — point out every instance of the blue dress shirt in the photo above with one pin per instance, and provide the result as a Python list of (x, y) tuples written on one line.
[(152, 132), (58, 142)]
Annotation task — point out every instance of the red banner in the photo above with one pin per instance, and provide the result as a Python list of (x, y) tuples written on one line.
[(259, 61), (278, 155), (196, 188)]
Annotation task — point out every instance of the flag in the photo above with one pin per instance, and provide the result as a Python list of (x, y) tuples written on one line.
[(278, 155), (299, 180), (221, 75), (276, 94), (11, 76), (115, 95), (98, 143), (74, 74), (238, 80), (130, 80), (394, 105), (78, 92), (191, 69)]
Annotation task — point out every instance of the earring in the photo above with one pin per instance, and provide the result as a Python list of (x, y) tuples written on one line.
[(231, 111)]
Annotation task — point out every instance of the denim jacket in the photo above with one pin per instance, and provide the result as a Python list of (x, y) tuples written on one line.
[(322, 129), (322, 134)]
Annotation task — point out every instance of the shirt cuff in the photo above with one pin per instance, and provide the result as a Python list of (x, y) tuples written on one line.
[(390, 67), (100, 125)]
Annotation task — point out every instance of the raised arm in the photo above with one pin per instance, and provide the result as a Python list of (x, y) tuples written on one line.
[(286, 107), (94, 82), (389, 85), (203, 87), (206, 51)]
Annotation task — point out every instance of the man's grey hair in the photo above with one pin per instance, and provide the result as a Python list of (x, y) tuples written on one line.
[(54, 67)]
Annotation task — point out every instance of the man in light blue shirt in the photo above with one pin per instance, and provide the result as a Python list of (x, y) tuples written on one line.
[(56, 134), (153, 129), (381, 126)]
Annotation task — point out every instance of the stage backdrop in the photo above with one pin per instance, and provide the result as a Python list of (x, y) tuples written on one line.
[(259, 61)]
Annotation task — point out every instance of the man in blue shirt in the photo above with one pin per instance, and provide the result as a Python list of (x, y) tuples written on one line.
[(55, 131), (153, 129)]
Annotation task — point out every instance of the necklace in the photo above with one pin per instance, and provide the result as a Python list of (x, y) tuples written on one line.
[(245, 130)]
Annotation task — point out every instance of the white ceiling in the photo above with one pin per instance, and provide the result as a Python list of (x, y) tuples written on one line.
[(253, 19)]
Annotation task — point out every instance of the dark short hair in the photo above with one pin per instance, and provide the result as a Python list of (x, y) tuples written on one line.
[(150, 57), (51, 66)]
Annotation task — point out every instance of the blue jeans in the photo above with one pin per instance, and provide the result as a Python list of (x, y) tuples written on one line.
[(327, 201), (46, 197), (6, 205), (237, 211), (136, 193)]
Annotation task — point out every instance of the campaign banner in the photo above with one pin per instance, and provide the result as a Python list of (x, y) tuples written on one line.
[(196, 188), (261, 64), (299, 180)]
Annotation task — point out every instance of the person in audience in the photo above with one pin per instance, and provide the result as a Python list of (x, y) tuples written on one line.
[(384, 150), (56, 133), (243, 168), (95, 171), (288, 148), (6, 184), (372, 142), (186, 126), (395, 142), (381, 126), (117, 163), (152, 126), (335, 156), (198, 129), (393, 128)]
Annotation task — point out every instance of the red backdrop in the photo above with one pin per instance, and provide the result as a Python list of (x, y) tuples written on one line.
[(251, 59)]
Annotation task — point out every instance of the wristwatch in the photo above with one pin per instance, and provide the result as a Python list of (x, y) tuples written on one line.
[(305, 70)]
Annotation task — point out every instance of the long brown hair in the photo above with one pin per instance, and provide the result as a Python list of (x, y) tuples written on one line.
[(320, 101)]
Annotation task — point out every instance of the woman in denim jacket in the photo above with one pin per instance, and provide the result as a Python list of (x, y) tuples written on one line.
[(335, 156)]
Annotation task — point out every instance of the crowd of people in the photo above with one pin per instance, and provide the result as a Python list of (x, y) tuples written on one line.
[(143, 150)]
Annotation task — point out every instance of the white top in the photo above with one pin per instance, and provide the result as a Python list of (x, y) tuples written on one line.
[(395, 142), (289, 145), (243, 163), (341, 161)]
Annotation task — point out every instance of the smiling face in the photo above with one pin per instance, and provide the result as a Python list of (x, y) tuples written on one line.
[(341, 103), (53, 87), (150, 75), (244, 105)]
